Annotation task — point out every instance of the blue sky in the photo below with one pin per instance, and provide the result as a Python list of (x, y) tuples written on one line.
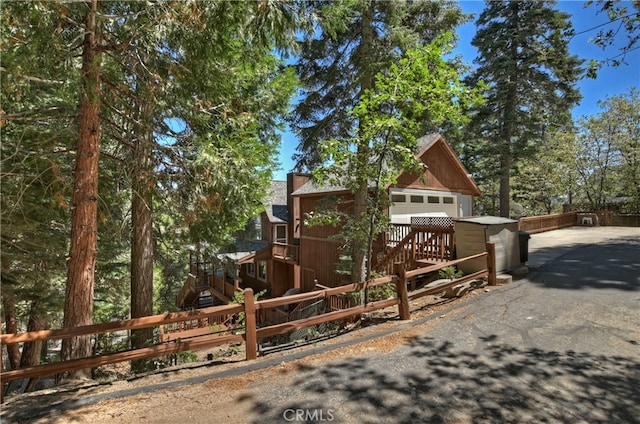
[(611, 81)]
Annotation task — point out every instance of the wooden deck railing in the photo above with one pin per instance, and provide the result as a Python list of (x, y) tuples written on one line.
[(285, 252), (222, 287), (431, 243), (249, 334), (538, 224)]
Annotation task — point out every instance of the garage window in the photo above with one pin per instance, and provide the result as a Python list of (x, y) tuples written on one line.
[(417, 199), (447, 200), (398, 198), (433, 199)]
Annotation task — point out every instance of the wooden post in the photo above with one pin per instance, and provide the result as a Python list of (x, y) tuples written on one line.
[(491, 263), (414, 248), (250, 336), (401, 290)]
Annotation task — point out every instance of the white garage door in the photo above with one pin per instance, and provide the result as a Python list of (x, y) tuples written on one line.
[(404, 205)]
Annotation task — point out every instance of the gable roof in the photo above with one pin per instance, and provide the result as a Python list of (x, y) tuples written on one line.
[(425, 143), (276, 202)]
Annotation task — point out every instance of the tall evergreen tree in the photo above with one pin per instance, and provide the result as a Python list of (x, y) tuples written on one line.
[(40, 93), (143, 67), (524, 58), (421, 88), (354, 41)]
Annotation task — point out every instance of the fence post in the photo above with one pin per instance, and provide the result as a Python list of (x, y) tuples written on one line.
[(250, 337), (491, 263), (401, 290)]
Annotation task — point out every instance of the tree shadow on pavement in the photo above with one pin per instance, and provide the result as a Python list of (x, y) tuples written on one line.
[(611, 265), (432, 382)]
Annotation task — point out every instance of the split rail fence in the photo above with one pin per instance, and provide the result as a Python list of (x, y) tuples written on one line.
[(250, 333)]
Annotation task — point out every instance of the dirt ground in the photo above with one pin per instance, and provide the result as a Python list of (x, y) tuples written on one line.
[(194, 394)]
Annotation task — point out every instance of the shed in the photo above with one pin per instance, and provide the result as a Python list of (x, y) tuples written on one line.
[(473, 233)]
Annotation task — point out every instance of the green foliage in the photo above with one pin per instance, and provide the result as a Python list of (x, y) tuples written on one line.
[(238, 298), (624, 16), (420, 89), (608, 152), (197, 85), (354, 41), (531, 79), (382, 292), (542, 184), (450, 273), (187, 356), (38, 89)]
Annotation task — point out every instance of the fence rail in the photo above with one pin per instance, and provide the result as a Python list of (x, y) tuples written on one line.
[(249, 334), (538, 224)]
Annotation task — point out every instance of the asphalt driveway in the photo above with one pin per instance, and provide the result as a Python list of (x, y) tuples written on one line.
[(561, 345)]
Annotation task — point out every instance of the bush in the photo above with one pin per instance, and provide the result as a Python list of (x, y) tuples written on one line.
[(382, 292), (450, 273)]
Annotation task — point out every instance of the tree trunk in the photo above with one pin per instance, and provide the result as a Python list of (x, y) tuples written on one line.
[(78, 307), (508, 121), (505, 182), (359, 247), (32, 351), (142, 244), (11, 323)]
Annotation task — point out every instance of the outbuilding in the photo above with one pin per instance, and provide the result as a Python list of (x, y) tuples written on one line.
[(473, 233)]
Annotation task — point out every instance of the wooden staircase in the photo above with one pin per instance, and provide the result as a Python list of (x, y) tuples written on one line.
[(202, 278), (432, 243)]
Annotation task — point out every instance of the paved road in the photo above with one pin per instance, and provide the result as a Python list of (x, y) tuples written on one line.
[(562, 345), (559, 346)]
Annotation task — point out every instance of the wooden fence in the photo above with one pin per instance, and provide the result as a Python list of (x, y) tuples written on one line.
[(226, 333), (538, 224)]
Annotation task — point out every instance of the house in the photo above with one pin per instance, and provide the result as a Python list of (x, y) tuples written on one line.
[(274, 266), (299, 257)]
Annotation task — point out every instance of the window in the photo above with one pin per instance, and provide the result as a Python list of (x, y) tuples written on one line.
[(433, 199), (280, 234), (262, 270), (251, 269), (447, 200), (398, 198), (417, 199)]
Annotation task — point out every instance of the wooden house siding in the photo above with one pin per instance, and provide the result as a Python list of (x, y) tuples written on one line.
[(266, 226), (294, 182), (280, 277), (317, 251), (443, 173), (319, 255)]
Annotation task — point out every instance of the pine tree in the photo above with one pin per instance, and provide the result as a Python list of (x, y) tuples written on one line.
[(420, 88), (143, 67), (525, 61), (40, 95), (355, 40)]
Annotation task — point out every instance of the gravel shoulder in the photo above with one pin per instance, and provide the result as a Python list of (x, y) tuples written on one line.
[(174, 394)]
